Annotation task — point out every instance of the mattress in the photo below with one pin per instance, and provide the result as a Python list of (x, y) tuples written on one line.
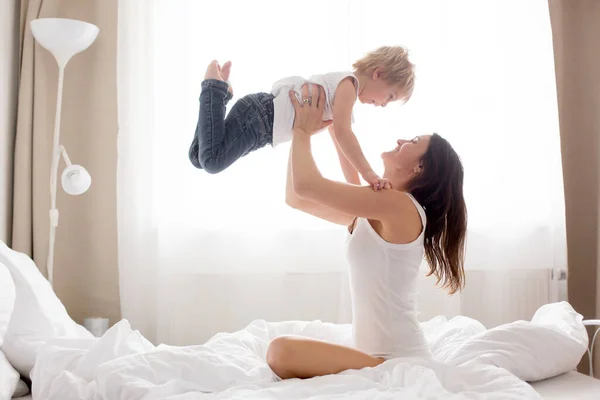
[(571, 385), (468, 359), (568, 386)]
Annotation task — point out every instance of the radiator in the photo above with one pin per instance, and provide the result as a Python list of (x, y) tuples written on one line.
[(193, 307), (495, 297)]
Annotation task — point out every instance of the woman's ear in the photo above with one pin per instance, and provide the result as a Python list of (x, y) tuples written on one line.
[(418, 169)]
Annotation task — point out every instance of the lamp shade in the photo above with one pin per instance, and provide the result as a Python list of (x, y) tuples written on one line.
[(63, 37), (75, 180)]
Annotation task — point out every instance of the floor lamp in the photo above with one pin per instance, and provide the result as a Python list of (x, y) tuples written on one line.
[(63, 38)]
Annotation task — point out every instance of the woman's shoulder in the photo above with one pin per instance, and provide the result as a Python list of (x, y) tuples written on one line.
[(407, 206), (409, 220), (393, 205)]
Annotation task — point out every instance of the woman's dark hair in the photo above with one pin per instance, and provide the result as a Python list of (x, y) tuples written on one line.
[(439, 189)]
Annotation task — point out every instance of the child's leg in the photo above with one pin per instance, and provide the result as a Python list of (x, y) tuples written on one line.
[(220, 141), (211, 118)]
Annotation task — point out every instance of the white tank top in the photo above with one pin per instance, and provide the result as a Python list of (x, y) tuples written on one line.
[(383, 280), (284, 110)]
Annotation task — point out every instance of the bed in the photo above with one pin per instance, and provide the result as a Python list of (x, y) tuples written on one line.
[(66, 361), (123, 364), (470, 362), (571, 385)]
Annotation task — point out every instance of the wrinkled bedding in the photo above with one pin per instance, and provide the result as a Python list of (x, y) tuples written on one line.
[(470, 362)]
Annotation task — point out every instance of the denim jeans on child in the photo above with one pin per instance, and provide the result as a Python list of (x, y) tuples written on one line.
[(219, 141)]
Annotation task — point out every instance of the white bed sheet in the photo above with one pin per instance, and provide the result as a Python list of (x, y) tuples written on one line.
[(471, 362), (569, 386)]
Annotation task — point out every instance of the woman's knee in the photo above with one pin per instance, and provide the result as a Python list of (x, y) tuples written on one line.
[(280, 355)]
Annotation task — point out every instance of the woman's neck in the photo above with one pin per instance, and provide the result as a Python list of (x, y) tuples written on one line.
[(397, 182)]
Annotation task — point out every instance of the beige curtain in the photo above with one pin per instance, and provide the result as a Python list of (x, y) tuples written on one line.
[(86, 274), (576, 35)]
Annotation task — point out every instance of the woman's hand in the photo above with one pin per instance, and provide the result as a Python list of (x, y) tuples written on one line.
[(309, 113)]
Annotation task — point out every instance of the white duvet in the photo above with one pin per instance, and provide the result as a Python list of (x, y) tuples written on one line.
[(470, 363)]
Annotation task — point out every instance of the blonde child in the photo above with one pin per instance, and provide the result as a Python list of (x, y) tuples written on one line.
[(380, 77)]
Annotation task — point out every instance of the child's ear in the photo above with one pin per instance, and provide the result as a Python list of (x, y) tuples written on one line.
[(377, 73)]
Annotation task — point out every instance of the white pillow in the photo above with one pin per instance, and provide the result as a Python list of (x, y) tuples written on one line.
[(551, 344), (38, 314), (7, 300), (9, 378)]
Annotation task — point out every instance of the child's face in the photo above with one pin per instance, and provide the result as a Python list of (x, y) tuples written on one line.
[(378, 92)]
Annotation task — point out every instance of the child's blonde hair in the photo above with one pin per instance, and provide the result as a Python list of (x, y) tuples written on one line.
[(395, 65)]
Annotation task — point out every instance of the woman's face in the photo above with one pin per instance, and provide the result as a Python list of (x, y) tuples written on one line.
[(407, 154)]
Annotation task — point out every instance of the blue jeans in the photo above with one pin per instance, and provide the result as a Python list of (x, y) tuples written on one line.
[(220, 141)]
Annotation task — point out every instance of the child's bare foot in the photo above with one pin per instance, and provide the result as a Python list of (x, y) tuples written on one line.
[(213, 71), (225, 71)]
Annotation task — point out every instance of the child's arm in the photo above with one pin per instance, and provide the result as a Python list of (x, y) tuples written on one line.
[(350, 173), (345, 97)]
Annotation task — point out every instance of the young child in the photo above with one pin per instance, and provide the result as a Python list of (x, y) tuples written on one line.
[(380, 77)]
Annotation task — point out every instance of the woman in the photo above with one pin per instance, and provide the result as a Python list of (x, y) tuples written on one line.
[(422, 212)]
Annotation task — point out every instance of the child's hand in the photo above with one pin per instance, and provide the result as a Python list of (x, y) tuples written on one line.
[(376, 182), (382, 183)]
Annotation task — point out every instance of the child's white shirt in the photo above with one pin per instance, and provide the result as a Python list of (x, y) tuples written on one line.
[(284, 110)]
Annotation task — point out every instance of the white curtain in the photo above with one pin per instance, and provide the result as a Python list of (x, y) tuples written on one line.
[(202, 253)]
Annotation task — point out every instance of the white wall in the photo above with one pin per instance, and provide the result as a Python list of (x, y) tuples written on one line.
[(9, 54)]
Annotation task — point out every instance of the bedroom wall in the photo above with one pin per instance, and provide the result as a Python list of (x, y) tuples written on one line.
[(576, 31), (9, 37), (86, 275)]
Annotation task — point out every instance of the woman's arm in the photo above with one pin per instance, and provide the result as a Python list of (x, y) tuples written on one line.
[(361, 201), (309, 184), (310, 207), (350, 173)]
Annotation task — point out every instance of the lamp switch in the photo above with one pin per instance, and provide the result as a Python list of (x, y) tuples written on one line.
[(54, 217)]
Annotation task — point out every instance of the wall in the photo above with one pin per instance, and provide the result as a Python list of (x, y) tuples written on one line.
[(9, 56), (575, 31)]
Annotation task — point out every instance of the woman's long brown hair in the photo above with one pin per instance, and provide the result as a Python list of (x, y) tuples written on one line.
[(439, 190)]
